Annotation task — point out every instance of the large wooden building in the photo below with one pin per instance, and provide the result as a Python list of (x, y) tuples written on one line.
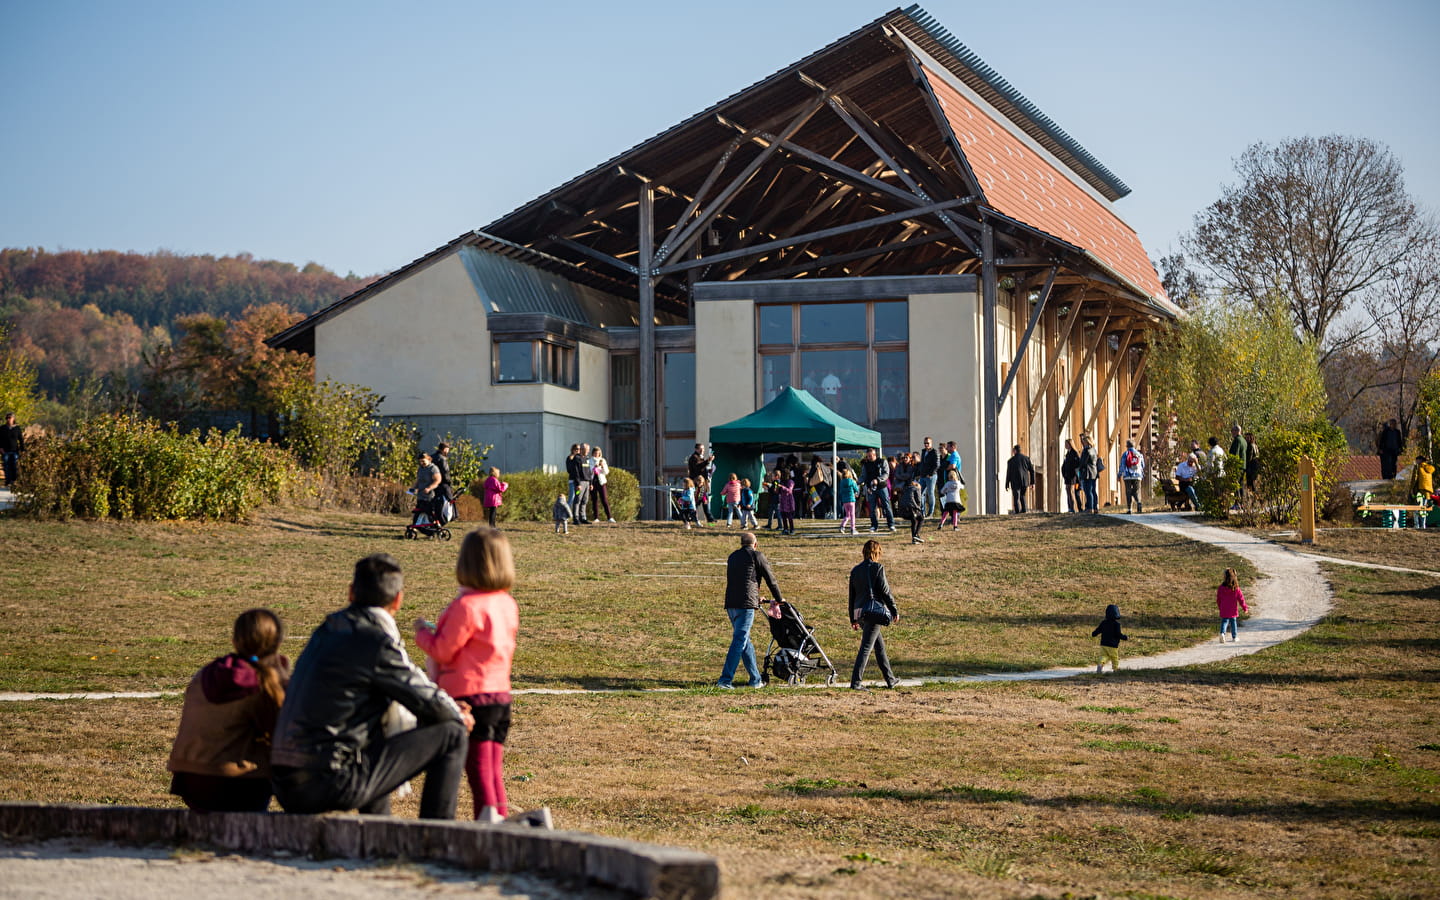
[(886, 223)]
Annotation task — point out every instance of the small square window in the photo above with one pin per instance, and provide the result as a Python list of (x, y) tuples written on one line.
[(514, 362)]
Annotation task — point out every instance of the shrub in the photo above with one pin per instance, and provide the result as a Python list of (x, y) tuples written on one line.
[(1217, 488), (531, 496), (468, 509), (125, 467), (367, 493)]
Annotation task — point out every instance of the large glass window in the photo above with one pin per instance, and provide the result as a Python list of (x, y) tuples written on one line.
[(776, 325), (852, 357), (774, 375), (832, 323), (837, 379), (679, 392)]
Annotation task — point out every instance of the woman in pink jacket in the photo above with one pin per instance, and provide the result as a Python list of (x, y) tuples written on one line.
[(473, 645), (1230, 599), (492, 495)]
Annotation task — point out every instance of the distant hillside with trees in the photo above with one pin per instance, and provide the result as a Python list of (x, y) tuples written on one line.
[(134, 327), (156, 288)]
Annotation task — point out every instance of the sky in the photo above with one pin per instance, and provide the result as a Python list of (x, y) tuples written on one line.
[(361, 135)]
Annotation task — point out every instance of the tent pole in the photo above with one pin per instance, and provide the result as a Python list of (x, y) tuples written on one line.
[(834, 478)]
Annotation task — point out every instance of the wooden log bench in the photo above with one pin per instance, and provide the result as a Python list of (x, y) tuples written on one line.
[(644, 870)]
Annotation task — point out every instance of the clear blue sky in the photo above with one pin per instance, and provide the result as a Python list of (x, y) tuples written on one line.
[(361, 135)]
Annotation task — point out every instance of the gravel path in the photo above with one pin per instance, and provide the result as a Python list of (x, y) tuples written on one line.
[(65, 869)]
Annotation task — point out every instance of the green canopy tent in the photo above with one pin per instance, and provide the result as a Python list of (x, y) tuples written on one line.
[(793, 422)]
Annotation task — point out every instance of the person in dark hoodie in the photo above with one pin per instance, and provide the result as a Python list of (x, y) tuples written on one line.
[(221, 757), (1110, 637)]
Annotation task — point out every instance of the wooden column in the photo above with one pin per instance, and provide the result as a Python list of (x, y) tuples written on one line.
[(1049, 404), (989, 472), (649, 383)]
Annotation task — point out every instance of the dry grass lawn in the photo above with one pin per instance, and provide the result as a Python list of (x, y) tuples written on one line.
[(1308, 770)]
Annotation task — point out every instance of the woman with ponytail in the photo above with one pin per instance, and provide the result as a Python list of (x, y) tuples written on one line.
[(221, 757)]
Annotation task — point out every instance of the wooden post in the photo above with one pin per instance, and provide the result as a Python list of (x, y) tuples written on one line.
[(1307, 500), (989, 472), (649, 425)]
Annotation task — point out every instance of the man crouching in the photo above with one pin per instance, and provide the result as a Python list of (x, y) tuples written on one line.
[(330, 751)]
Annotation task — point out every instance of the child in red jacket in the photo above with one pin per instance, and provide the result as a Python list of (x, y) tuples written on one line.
[(473, 645), (1230, 600)]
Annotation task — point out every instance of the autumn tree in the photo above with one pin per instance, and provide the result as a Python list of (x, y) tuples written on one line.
[(17, 380), (1320, 224), (217, 364)]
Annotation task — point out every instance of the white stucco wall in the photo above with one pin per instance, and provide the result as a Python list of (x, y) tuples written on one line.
[(945, 377), (446, 370), (377, 343), (725, 363)]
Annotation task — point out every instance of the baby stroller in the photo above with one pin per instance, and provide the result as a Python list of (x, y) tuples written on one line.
[(428, 521), (793, 654)]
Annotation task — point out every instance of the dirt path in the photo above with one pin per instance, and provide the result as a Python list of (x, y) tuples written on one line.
[(1290, 598)]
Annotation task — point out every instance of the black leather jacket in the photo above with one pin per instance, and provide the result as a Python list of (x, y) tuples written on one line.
[(343, 683), (744, 571), (867, 580)]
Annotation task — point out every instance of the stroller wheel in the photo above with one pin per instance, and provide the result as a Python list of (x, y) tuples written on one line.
[(444, 534), (830, 680), (409, 533)]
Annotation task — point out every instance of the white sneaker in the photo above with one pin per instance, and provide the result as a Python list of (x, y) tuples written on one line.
[(535, 818), (489, 816), (611, 521)]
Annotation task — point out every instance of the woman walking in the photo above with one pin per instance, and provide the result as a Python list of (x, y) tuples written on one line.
[(869, 595), (599, 477)]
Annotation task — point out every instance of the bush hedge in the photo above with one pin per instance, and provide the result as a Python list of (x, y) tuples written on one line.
[(124, 467), (531, 496)]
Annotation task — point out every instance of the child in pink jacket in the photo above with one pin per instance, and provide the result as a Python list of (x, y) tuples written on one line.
[(1231, 600), (473, 645), (492, 495), (731, 493)]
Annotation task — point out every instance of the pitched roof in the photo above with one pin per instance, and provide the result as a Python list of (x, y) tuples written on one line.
[(1023, 181)]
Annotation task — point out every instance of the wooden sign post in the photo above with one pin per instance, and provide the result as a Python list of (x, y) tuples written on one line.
[(1307, 500)]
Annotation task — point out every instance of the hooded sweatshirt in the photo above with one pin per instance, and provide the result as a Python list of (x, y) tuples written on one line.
[(227, 721), (1109, 630)]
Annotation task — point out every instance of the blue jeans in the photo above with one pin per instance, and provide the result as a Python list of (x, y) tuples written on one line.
[(1092, 496), (878, 499), (1233, 624), (12, 467), (740, 647), (927, 490)]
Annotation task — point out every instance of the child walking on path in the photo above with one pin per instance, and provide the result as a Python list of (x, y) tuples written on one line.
[(561, 512), (1110, 638), (747, 505), (1230, 599), (492, 495), (473, 645), (731, 493)]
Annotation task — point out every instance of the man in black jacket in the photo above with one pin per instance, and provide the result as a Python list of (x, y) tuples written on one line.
[(928, 468), (875, 471), (12, 444), (579, 475), (329, 751), (1019, 475), (743, 572)]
